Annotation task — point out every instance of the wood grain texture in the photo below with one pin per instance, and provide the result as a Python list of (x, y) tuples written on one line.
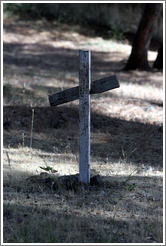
[(72, 94), (84, 115)]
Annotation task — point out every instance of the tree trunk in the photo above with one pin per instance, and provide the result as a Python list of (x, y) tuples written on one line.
[(138, 56), (159, 60)]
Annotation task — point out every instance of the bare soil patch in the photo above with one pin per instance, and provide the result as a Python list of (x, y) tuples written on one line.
[(126, 141)]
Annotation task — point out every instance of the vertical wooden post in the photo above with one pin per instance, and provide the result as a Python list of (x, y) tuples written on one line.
[(84, 115)]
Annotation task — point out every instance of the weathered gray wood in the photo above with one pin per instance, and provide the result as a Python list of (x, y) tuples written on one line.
[(82, 92), (105, 84), (64, 96), (84, 115), (72, 94)]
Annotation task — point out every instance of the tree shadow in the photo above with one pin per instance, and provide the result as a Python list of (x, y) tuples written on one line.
[(19, 58), (56, 207), (28, 59), (90, 30), (53, 59), (61, 125)]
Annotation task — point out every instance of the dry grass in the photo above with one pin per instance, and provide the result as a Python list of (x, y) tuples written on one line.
[(126, 142)]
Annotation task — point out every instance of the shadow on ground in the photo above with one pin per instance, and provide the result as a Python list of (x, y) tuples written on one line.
[(45, 60), (59, 210), (61, 126)]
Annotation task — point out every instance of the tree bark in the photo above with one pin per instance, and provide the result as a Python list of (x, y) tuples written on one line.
[(138, 57), (159, 60)]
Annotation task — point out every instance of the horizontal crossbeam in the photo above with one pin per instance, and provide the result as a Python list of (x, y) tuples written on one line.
[(72, 94)]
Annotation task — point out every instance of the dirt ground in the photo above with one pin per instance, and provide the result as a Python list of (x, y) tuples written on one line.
[(41, 58)]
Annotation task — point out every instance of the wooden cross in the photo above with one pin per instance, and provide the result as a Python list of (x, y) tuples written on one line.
[(83, 92)]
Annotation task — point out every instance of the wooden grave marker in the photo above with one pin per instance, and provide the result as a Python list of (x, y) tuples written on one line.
[(83, 92)]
